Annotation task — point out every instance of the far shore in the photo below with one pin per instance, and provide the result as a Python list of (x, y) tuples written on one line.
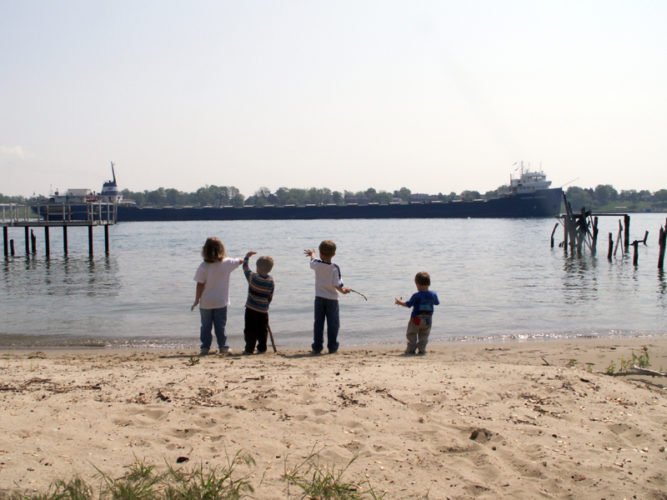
[(513, 419)]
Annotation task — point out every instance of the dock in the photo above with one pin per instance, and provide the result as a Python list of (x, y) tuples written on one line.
[(47, 215)]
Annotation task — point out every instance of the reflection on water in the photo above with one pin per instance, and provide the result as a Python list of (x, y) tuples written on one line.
[(59, 298), (495, 278), (580, 283), (69, 276)]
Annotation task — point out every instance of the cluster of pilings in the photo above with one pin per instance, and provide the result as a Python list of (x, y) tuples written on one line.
[(580, 232), (29, 217)]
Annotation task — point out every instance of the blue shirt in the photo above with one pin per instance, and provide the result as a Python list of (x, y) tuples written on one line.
[(422, 303)]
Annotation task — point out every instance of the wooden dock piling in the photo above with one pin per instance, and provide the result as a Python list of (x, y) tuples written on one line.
[(618, 237), (635, 253), (33, 242), (661, 243), (90, 241), (552, 234)]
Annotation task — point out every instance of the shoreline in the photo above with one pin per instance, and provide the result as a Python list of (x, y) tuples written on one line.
[(546, 420), (109, 344)]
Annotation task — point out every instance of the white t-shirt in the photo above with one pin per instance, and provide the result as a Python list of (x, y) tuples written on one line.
[(327, 278), (215, 276)]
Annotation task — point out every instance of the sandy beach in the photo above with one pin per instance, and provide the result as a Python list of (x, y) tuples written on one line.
[(484, 420)]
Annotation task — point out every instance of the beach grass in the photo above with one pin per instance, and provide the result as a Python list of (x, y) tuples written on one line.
[(142, 481), (317, 480)]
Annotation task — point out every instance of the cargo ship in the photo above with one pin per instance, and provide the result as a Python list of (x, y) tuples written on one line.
[(528, 195)]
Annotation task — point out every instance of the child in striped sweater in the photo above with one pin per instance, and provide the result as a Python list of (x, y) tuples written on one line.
[(260, 293)]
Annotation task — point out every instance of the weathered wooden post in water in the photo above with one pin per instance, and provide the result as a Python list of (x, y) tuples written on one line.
[(618, 238), (5, 240), (47, 242), (635, 256), (661, 242), (611, 247), (570, 229), (626, 220), (27, 240), (33, 242), (552, 234), (90, 241)]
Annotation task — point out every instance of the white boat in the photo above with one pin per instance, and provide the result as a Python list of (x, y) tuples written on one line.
[(529, 181), (109, 194)]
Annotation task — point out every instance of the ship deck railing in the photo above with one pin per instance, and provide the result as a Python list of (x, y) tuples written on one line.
[(47, 213)]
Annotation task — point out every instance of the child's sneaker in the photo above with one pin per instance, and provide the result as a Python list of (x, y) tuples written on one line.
[(409, 352), (226, 351), (203, 351)]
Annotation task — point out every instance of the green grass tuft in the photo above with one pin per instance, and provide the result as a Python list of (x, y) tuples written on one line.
[(326, 482), (142, 481)]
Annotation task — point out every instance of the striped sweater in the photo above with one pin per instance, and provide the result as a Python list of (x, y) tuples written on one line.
[(260, 290)]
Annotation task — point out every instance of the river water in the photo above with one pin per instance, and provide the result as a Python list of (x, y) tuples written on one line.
[(497, 279)]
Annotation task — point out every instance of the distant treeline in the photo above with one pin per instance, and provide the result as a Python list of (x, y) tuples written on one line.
[(605, 198), (602, 198)]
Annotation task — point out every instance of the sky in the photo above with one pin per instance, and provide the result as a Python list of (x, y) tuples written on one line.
[(436, 96)]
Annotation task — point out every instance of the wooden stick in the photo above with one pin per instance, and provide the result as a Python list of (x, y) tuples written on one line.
[(273, 342), (649, 372), (359, 293)]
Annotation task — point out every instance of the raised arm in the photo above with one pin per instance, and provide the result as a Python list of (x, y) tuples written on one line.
[(246, 269)]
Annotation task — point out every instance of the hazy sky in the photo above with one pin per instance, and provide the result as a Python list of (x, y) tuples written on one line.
[(436, 96)]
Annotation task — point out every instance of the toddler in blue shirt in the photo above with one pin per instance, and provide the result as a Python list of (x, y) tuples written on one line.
[(422, 304)]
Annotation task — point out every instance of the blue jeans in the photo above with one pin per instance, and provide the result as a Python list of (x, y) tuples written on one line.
[(325, 309), (213, 318)]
